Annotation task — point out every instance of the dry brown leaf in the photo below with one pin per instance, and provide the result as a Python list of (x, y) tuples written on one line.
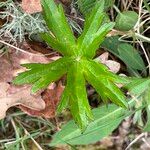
[(13, 95), (51, 98), (10, 63), (34, 6), (31, 6), (6, 69), (111, 64), (103, 57)]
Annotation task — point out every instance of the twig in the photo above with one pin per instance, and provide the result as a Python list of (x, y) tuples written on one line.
[(129, 4), (21, 50), (38, 146), (135, 140), (145, 53), (116, 8), (144, 140)]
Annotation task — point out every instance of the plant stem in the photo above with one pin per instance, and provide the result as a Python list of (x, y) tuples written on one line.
[(117, 10), (143, 38)]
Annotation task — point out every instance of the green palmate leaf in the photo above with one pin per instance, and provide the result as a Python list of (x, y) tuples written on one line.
[(126, 20), (54, 43), (64, 100), (76, 64), (103, 85), (41, 75), (93, 42), (57, 23), (91, 26), (106, 119), (78, 96), (93, 33)]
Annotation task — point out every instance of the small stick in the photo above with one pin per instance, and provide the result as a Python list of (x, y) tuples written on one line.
[(135, 140), (21, 50)]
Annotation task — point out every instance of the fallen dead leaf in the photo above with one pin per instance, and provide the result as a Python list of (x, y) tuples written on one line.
[(31, 6), (146, 143), (12, 96), (111, 64), (51, 98), (34, 6), (10, 63), (6, 69), (103, 57)]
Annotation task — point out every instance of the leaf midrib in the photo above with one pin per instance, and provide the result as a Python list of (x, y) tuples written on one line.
[(111, 113)]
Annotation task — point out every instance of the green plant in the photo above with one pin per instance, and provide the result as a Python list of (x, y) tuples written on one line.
[(131, 18), (77, 63), (127, 53), (106, 119)]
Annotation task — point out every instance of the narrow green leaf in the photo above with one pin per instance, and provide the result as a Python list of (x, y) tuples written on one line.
[(111, 44), (38, 71), (58, 25), (147, 125), (130, 56), (45, 80), (34, 65), (100, 70), (78, 102), (106, 119), (28, 76), (146, 99), (138, 86), (103, 83), (127, 53), (91, 26), (64, 101), (96, 39), (54, 43)]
